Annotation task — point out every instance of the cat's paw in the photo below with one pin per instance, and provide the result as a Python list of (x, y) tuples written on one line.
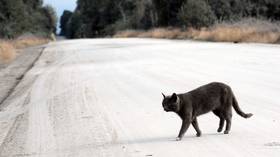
[(178, 139), (226, 132), (220, 129), (198, 134)]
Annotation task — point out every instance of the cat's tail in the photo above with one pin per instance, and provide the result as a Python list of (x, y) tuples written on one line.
[(238, 110)]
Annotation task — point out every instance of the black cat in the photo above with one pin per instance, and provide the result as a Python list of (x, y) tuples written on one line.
[(216, 97)]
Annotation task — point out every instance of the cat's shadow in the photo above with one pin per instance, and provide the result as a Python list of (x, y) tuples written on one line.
[(164, 139)]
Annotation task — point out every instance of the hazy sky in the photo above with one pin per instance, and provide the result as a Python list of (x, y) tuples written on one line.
[(61, 5)]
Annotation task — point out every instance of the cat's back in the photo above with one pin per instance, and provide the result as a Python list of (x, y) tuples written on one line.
[(212, 88), (216, 85)]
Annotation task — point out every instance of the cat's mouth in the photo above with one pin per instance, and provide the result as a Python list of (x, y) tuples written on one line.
[(166, 110)]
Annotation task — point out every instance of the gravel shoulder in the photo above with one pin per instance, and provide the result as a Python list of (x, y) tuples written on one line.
[(12, 73)]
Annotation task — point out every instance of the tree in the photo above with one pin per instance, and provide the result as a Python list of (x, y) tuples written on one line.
[(273, 9), (73, 25), (98, 18), (167, 11), (221, 8), (64, 20), (22, 16), (196, 13), (135, 15), (51, 21)]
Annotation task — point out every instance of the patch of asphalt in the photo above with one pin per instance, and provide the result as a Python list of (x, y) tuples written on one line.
[(12, 74)]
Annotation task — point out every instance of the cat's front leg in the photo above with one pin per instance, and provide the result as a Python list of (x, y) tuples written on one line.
[(185, 125), (196, 127), (178, 139)]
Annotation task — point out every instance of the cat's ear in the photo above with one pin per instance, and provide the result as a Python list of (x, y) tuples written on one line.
[(163, 95), (174, 97)]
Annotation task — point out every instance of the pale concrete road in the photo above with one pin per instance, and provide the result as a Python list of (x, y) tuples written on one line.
[(102, 98)]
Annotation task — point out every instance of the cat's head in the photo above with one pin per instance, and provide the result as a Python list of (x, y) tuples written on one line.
[(171, 103)]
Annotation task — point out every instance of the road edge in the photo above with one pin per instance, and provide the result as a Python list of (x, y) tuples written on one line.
[(17, 78)]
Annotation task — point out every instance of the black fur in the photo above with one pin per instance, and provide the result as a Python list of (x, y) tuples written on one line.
[(216, 97)]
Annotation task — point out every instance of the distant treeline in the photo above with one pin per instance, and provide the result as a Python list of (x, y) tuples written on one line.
[(99, 18), (26, 16)]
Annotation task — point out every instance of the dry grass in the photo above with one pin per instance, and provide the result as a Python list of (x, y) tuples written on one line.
[(8, 48), (162, 33), (7, 51), (128, 34), (167, 33), (29, 41), (236, 34), (248, 30)]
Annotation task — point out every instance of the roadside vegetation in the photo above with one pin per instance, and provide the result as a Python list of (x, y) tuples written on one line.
[(18, 17), (213, 20), (24, 23), (7, 51), (246, 30), (10, 48)]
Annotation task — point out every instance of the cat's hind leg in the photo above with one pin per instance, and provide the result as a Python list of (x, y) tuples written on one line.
[(228, 116), (221, 124), (222, 120)]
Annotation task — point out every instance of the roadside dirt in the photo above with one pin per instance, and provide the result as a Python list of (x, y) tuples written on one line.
[(12, 73)]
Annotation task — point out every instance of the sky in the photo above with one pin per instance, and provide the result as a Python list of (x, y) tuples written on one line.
[(61, 5)]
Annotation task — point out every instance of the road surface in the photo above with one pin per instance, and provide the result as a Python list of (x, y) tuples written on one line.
[(102, 98)]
